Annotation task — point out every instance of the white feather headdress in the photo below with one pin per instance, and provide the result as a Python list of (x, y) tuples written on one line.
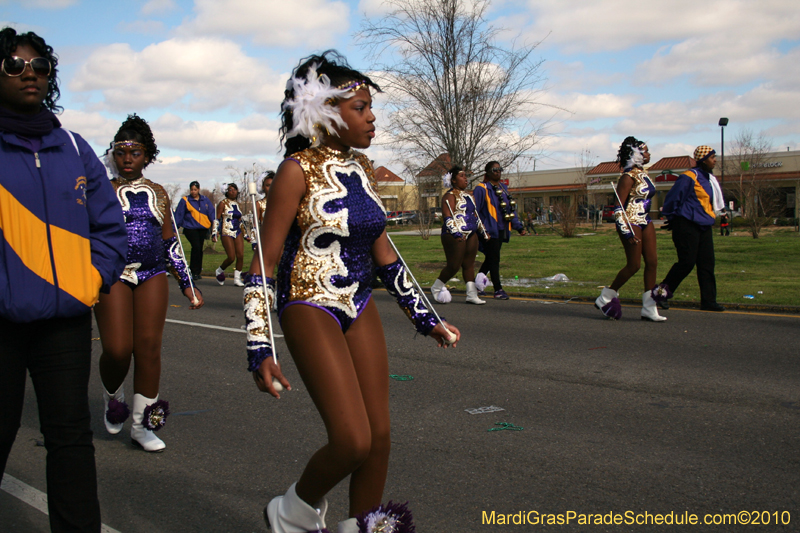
[(310, 107), (111, 165), (637, 157)]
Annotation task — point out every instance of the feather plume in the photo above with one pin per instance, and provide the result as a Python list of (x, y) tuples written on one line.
[(637, 157), (310, 107), (111, 165)]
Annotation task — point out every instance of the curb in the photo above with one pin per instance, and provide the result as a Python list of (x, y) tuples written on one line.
[(681, 304)]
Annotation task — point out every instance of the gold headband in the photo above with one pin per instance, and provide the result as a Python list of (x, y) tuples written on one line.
[(128, 144), (352, 85)]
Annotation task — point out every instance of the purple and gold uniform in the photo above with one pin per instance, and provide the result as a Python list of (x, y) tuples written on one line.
[(145, 206), (637, 206), (327, 259), (230, 221), (465, 217)]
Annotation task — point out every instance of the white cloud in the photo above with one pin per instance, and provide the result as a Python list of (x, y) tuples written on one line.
[(309, 23), (217, 137), (158, 7), (585, 107), (197, 74)]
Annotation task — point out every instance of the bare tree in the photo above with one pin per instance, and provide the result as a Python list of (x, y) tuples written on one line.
[(566, 215), (745, 166), (173, 192), (587, 193), (427, 186), (449, 87)]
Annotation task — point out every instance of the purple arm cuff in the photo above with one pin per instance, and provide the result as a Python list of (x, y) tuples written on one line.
[(173, 252), (395, 279)]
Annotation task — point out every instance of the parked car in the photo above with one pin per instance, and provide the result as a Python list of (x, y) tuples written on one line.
[(400, 217), (608, 213)]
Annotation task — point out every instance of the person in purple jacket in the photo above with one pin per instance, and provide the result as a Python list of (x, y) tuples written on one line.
[(690, 207), (195, 214), (497, 211), (62, 242)]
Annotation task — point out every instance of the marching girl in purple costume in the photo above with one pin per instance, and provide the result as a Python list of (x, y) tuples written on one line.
[(323, 205), (459, 238), (131, 317), (636, 231), (229, 225)]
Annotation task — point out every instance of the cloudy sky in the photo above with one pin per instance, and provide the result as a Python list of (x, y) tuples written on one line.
[(209, 74)]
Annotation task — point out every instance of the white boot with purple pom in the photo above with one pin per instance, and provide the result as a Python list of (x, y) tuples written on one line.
[(290, 514), (145, 421), (115, 410)]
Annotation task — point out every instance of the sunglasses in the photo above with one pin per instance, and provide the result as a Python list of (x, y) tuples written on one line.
[(15, 66), (497, 170)]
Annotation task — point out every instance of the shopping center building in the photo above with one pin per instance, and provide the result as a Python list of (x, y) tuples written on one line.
[(776, 172)]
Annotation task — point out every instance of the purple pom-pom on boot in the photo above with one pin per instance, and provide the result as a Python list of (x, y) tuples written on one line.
[(116, 411), (661, 292), (389, 518), (608, 303)]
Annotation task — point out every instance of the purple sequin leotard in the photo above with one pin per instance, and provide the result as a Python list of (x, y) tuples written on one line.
[(327, 259), (144, 205)]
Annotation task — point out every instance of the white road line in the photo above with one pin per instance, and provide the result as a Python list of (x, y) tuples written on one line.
[(210, 326), (34, 497)]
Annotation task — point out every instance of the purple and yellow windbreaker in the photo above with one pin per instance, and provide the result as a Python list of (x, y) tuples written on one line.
[(487, 205), (62, 232), (692, 198), (195, 214)]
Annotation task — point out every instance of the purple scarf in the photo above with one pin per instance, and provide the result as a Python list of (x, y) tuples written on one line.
[(37, 125)]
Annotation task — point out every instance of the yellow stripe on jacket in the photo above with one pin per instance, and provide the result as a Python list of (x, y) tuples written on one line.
[(489, 204), (199, 217), (26, 234), (72, 254), (77, 276), (702, 196)]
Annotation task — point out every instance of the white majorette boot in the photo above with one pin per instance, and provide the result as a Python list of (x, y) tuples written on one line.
[(116, 411), (481, 281), (472, 294), (220, 275), (440, 292), (290, 514), (149, 414), (237, 278), (650, 309), (608, 303), (348, 526)]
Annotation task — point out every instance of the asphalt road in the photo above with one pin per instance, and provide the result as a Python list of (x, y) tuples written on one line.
[(699, 414)]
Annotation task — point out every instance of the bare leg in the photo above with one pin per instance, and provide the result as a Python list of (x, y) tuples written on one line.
[(114, 315), (230, 249), (650, 254), (454, 252), (150, 300), (350, 391), (368, 349), (238, 245), (633, 255), (468, 263)]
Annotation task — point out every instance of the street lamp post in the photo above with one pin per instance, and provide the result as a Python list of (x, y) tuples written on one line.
[(722, 123)]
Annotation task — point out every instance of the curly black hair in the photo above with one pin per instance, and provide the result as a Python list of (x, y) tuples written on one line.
[(626, 150), (335, 66), (453, 173), (135, 128), (10, 40)]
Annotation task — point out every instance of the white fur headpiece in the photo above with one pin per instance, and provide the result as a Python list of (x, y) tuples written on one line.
[(637, 157), (311, 106), (111, 165)]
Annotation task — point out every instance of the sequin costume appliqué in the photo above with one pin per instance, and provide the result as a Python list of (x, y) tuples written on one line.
[(465, 217), (327, 259), (231, 219), (637, 206), (144, 205)]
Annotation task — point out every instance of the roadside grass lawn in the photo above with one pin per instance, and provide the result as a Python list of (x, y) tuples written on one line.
[(765, 268)]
